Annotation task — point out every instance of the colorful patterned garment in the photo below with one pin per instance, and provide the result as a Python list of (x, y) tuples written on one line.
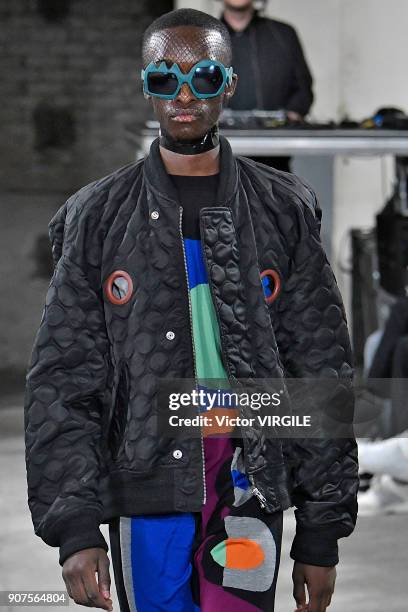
[(225, 558)]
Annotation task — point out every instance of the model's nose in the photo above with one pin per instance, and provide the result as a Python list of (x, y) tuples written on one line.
[(185, 94)]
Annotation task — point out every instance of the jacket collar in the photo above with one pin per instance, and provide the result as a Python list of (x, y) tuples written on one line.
[(159, 181)]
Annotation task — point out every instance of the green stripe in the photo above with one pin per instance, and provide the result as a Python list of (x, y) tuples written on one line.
[(206, 334)]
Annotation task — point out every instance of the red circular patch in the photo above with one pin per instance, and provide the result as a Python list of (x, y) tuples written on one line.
[(119, 287), (271, 294)]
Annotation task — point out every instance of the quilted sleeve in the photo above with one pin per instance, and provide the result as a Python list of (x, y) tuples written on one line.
[(313, 342), (63, 408)]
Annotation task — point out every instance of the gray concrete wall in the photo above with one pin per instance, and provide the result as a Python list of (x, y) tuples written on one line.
[(24, 220), (71, 92), (86, 66)]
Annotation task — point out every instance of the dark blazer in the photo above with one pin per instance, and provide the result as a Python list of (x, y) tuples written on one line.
[(273, 73)]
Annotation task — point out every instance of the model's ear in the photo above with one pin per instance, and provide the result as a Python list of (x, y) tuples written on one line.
[(230, 90), (142, 76)]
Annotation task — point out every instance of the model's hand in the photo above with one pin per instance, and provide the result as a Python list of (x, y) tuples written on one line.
[(78, 573), (320, 586)]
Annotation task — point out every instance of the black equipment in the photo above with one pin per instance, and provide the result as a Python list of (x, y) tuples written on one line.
[(388, 117), (266, 120)]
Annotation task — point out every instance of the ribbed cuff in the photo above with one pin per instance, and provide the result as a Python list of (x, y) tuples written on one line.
[(78, 533), (315, 547)]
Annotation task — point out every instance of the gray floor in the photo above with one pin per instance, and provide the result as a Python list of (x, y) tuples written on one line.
[(372, 576)]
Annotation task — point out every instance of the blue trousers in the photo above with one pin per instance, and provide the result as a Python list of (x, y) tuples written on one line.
[(224, 558)]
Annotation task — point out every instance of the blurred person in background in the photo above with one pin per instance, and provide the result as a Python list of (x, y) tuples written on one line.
[(388, 368), (387, 460), (273, 73)]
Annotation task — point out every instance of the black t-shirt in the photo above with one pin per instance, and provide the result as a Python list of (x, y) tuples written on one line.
[(194, 193)]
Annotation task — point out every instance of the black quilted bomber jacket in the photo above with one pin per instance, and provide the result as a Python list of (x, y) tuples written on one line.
[(92, 448)]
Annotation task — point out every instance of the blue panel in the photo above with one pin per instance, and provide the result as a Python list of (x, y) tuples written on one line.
[(161, 562), (195, 264)]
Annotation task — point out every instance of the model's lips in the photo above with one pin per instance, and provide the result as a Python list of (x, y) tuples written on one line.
[(184, 115), (184, 118)]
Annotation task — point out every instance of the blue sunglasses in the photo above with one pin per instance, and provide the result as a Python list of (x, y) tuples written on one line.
[(207, 79)]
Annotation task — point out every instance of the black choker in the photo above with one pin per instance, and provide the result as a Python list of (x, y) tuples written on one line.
[(190, 147)]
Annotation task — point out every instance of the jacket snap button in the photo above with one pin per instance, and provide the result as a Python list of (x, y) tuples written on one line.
[(154, 214), (170, 335), (177, 454)]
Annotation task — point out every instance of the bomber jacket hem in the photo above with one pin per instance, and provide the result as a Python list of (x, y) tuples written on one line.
[(127, 493)]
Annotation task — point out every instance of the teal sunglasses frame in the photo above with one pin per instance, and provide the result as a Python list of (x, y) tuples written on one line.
[(186, 78)]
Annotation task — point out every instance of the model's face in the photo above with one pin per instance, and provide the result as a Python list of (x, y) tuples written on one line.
[(187, 117), (238, 4)]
